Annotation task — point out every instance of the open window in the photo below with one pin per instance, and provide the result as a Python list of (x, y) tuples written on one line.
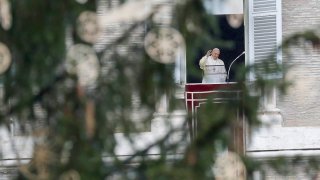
[(229, 38)]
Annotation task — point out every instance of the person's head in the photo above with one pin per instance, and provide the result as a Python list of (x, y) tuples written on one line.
[(215, 53)]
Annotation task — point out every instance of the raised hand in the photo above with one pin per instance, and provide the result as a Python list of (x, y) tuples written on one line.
[(209, 53)]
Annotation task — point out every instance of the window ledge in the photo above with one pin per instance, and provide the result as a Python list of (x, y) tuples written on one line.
[(270, 110), (174, 113)]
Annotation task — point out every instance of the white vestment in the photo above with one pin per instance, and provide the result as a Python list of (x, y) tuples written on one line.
[(214, 70)]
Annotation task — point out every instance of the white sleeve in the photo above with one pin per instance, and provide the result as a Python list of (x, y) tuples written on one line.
[(202, 62)]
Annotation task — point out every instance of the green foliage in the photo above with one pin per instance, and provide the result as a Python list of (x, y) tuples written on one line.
[(77, 133)]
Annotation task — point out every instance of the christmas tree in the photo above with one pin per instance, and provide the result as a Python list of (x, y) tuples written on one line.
[(77, 72)]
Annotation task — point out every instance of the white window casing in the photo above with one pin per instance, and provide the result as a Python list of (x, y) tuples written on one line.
[(263, 30)]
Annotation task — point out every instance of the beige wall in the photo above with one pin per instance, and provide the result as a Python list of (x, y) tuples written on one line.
[(301, 107)]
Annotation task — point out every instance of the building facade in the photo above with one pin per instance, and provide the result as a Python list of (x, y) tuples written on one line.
[(292, 121)]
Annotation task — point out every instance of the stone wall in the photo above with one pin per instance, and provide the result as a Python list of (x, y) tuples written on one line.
[(301, 106), (7, 173)]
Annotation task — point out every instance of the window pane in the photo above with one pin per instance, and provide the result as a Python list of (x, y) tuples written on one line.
[(224, 6)]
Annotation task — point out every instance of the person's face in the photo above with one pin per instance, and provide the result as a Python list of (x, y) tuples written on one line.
[(215, 54)]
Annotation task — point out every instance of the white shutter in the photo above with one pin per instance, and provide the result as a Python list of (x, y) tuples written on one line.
[(263, 30)]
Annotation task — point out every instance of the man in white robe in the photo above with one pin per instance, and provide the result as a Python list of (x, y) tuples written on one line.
[(213, 68)]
